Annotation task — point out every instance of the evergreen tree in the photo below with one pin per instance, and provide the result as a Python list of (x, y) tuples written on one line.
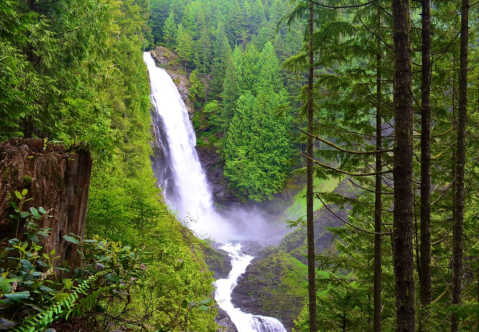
[(257, 147), (235, 24), (268, 75), (249, 68), (221, 54), (184, 45), (230, 93), (169, 29)]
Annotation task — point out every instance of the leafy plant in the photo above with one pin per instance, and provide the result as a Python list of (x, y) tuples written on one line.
[(29, 289)]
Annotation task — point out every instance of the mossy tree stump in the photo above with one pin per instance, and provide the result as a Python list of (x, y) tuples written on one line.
[(57, 179)]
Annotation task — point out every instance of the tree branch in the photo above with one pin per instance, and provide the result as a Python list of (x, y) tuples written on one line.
[(343, 7), (369, 190), (348, 223), (373, 33), (341, 171), (331, 144)]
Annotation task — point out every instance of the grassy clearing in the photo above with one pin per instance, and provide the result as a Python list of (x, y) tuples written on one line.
[(298, 208)]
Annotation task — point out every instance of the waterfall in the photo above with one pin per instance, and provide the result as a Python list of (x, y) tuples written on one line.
[(186, 189), (183, 179)]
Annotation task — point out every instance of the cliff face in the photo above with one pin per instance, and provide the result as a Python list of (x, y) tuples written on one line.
[(57, 179), (213, 166)]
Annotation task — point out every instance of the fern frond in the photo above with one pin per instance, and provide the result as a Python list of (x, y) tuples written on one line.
[(44, 319)]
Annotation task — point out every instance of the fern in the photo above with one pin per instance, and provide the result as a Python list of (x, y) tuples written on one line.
[(72, 306)]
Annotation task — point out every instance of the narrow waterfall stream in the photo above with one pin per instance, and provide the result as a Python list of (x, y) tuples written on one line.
[(186, 189)]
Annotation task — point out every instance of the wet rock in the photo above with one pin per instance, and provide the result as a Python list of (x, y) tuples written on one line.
[(274, 286), (224, 321), (213, 166), (218, 261)]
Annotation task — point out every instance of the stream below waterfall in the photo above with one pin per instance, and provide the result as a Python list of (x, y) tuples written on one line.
[(186, 189)]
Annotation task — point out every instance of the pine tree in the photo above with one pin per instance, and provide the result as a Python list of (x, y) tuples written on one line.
[(257, 146), (169, 29), (250, 72), (184, 45), (221, 53), (460, 166), (235, 23), (403, 159), (230, 93)]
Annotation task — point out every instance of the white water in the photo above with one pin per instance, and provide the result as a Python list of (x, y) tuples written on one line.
[(190, 194), (186, 189), (244, 322)]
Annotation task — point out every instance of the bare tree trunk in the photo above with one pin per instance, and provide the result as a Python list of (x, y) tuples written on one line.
[(425, 260), (402, 171), (310, 193), (378, 198), (457, 253)]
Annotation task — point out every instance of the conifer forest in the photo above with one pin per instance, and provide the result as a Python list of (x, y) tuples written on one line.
[(239, 165)]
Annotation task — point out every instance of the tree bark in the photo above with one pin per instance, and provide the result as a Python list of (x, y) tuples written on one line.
[(310, 193), (425, 260), (457, 253), (378, 198), (57, 179), (402, 171)]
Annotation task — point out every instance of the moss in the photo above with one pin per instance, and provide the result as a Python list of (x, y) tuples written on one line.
[(15, 171), (6, 174), (217, 262), (298, 208), (279, 283), (27, 181)]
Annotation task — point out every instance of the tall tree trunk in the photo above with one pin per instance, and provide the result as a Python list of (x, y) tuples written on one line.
[(310, 193), (457, 253), (425, 260), (402, 171), (378, 198)]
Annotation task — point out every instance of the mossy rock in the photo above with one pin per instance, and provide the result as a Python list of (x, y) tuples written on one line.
[(274, 286)]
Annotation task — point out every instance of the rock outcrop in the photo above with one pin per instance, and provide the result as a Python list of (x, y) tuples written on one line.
[(57, 179), (223, 320), (214, 168), (218, 261), (274, 286)]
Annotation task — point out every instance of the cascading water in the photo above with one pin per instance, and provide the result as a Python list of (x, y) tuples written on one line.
[(186, 189), (183, 180), (244, 322)]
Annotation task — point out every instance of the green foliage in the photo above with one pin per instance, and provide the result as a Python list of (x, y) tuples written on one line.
[(29, 284), (184, 44), (169, 29), (73, 81), (66, 307), (257, 147)]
